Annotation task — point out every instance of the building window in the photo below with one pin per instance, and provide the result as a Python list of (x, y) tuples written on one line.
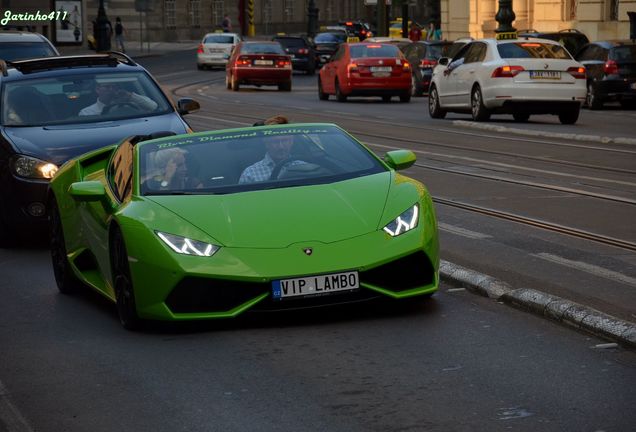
[(267, 15), (613, 10), (170, 14), (569, 10), (195, 13), (288, 10), (217, 12)]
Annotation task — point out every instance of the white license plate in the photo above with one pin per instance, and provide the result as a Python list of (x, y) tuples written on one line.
[(547, 75), (263, 62), (313, 285), (380, 68)]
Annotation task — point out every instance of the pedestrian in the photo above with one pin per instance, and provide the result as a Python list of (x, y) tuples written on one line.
[(416, 32), (226, 24), (433, 33), (120, 31)]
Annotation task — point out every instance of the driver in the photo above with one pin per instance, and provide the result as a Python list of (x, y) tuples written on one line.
[(278, 149), (109, 93)]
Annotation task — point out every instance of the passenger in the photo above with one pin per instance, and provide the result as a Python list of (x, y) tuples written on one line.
[(172, 171), (109, 94)]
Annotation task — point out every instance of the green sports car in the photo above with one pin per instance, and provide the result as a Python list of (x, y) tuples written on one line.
[(213, 224)]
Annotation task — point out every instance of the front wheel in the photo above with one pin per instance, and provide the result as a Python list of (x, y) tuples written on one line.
[(235, 84), (67, 282), (434, 110), (122, 281), (592, 100), (570, 116), (341, 97), (478, 109)]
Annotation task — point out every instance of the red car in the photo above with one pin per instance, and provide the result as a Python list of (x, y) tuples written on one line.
[(259, 63), (366, 69)]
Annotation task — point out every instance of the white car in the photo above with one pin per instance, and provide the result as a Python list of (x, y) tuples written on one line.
[(215, 49), (519, 77)]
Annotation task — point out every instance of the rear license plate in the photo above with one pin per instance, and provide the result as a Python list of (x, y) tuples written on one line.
[(313, 285), (546, 75), (263, 62), (380, 68)]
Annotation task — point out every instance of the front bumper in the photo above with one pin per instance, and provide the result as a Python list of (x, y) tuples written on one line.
[(23, 201), (234, 280)]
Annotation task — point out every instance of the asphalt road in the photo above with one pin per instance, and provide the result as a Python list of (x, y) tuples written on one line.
[(457, 362)]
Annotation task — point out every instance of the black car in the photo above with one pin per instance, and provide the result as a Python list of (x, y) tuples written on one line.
[(301, 50), (56, 108), (327, 43), (357, 28), (611, 72), (423, 56), (571, 39), (16, 45)]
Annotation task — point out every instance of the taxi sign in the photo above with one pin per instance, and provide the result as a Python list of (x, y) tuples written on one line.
[(506, 35), (353, 39)]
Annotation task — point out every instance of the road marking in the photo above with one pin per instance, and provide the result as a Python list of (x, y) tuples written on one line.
[(588, 268), (173, 74), (462, 232), (343, 113), (219, 119), (10, 416)]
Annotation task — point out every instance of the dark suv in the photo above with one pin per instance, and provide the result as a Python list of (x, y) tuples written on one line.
[(56, 108), (301, 50), (611, 72), (17, 45), (571, 39)]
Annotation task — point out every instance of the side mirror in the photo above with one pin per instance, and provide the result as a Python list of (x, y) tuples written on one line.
[(400, 159), (444, 61), (88, 191), (187, 106)]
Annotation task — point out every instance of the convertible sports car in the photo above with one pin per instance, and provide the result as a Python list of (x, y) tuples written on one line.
[(213, 224)]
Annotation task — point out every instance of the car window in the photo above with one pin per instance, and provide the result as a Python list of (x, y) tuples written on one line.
[(81, 98), (291, 42), (623, 53), (476, 53), (264, 48), (330, 38), (120, 171), (220, 39), (435, 52), (372, 50), (532, 50), (338, 54), (586, 53), (455, 48), (230, 162), (25, 50), (462, 52)]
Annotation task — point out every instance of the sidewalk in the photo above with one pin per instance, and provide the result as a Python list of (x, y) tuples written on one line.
[(134, 50)]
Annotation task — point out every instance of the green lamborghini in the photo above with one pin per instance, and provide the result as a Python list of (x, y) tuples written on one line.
[(213, 224)]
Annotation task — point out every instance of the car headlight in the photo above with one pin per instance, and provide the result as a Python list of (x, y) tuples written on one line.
[(30, 167), (186, 246), (404, 222)]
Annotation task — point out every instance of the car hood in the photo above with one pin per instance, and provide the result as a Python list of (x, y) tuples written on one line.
[(58, 144), (278, 218)]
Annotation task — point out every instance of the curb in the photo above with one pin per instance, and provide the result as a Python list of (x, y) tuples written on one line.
[(528, 132), (555, 308)]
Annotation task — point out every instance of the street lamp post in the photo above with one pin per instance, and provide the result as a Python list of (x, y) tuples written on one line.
[(312, 18), (102, 34), (505, 16)]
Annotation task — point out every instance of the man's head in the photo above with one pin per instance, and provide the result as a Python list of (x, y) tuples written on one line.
[(106, 92), (279, 147), (170, 159)]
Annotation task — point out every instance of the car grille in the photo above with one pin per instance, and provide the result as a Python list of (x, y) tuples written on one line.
[(195, 294), (403, 274)]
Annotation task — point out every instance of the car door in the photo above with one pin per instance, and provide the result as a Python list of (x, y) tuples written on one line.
[(447, 84), (467, 72), (331, 70)]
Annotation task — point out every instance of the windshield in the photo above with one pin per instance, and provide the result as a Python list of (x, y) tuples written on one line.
[(220, 39), (25, 50), (291, 42), (262, 48), (435, 52), (369, 50), (532, 50), (261, 158), (81, 99), (625, 53), (330, 38)]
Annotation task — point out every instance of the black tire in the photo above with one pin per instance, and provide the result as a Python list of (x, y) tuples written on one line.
[(235, 84), (286, 86), (386, 98), (67, 282), (122, 282), (312, 70), (340, 97), (404, 98), (477, 107), (228, 82), (592, 101), (200, 67), (321, 93), (521, 117), (416, 88), (434, 110), (570, 116)]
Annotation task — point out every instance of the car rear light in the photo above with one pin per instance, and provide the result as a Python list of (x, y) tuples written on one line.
[(200, 49), (283, 63), (374, 46), (507, 71), (243, 61), (577, 72), (352, 67), (406, 66), (363, 32), (610, 67), (428, 64), (303, 51)]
